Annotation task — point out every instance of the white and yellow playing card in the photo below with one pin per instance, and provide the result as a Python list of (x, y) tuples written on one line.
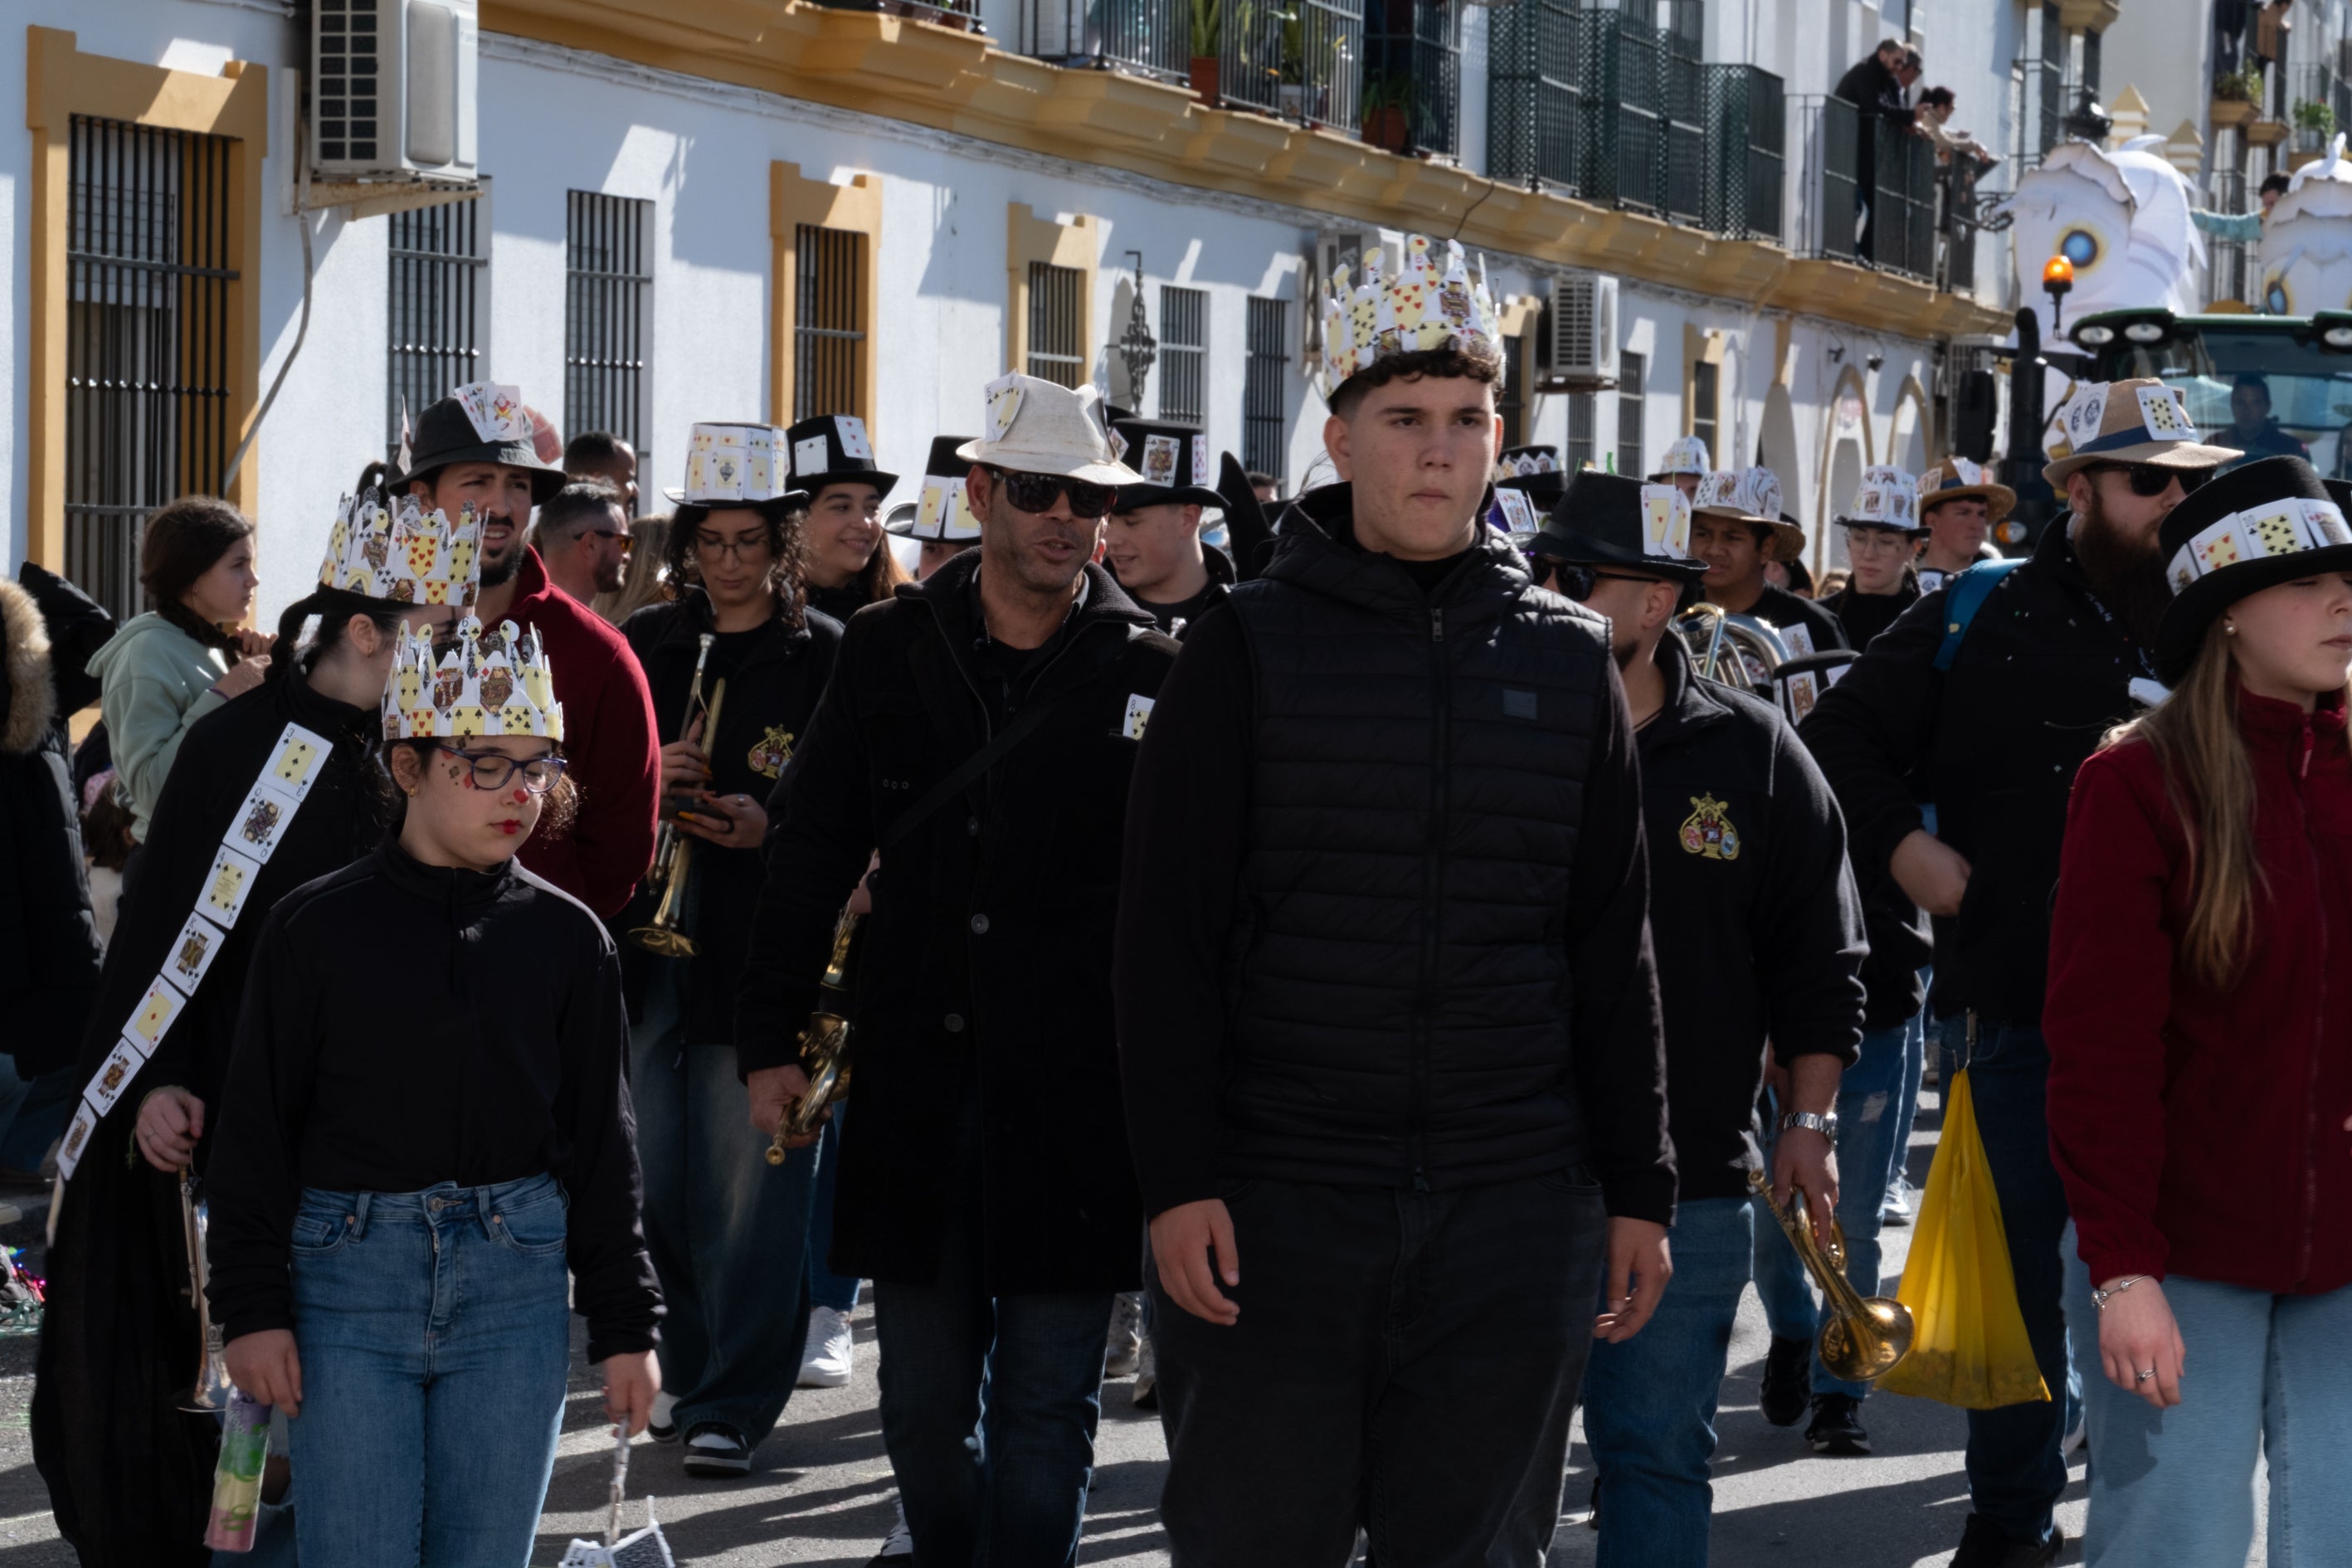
[(228, 885), (151, 1019), (295, 761)]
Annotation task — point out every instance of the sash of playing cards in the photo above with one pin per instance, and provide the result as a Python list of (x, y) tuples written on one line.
[(253, 834)]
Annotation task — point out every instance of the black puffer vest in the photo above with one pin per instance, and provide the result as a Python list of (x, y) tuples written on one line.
[(1399, 977)]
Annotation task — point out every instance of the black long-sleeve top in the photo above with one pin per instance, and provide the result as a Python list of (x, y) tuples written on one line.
[(1173, 941), (406, 1024)]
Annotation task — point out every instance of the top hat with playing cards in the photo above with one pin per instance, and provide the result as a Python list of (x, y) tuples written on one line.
[(833, 449), (1037, 427), (1753, 496), (1618, 520), (940, 513), (1958, 478), (1886, 499), (481, 422), (748, 466), (2137, 421), (1175, 462), (2269, 521)]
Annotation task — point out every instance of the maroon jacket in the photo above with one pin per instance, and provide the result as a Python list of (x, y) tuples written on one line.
[(608, 733), (2202, 1131)]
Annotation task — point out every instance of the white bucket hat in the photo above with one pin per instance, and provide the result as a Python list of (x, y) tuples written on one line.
[(1042, 428)]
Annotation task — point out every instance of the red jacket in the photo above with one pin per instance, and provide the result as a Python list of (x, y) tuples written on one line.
[(2202, 1132), (608, 733)]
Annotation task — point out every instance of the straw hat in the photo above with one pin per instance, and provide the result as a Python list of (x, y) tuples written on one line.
[(2137, 421), (1956, 479), (1042, 428), (1751, 495)]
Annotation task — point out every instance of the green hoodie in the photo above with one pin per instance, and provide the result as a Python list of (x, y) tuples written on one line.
[(155, 681)]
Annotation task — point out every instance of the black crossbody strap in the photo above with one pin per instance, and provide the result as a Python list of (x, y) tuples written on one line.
[(969, 770)]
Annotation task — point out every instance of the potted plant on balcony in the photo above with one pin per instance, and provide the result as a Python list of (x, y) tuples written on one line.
[(2234, 93), (1294, 66), (2314, 122), (1387, 121), (1208, 17)]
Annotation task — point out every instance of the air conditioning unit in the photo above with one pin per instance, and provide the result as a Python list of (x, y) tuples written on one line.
[(393, 88), (1583, 333)]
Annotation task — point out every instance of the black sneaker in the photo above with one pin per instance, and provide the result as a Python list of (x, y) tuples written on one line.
[(1835, 1428), (712, 1449), (1788, 1381), (1984, 1544)]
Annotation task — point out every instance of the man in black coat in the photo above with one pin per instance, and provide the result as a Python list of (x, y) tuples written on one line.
[(1995, 718), (1387, 1018), (1758, 939), (978, 731), (1874, 86)]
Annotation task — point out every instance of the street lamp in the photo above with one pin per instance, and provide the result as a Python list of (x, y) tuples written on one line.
[(2057, 278), (1138, 350)]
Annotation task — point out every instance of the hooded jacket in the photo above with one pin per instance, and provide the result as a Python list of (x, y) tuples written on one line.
[(156, 682)]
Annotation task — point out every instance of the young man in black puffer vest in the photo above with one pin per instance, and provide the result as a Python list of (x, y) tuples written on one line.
[(1388, 1020)]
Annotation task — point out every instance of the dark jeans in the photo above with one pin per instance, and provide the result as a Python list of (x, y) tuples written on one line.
[(989, 1406), (1406, 1361), (2016, 1471)]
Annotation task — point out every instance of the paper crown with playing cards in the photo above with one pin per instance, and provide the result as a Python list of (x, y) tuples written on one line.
[(1430, 302), (2137, 421), (490, 683), (1887, 498), (399, 553), (2269, 521)]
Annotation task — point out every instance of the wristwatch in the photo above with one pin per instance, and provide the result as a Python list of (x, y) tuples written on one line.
[(1824, 1125)]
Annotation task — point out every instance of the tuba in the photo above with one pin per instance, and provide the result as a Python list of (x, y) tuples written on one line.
[(673, 850), (1729, 649), (1864, 1336), (208, 1396), (824, 1046)]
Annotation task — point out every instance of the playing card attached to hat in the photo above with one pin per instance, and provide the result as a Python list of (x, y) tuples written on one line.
[(1959, 478), (392, 549), (1887, 498), (1616, 519), (1175, 460), (731, 465), (1038, 427), (1433, 300), (482, 422), (1753, 496), (941, 513), (1685, 455), (2262, 523), (495, 682), (833, 449), (2143, 420)]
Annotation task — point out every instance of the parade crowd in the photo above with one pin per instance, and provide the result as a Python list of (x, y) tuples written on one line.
[(1353, 963)]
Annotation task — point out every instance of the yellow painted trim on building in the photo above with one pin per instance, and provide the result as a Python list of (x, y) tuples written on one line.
[(61, 82), (794, 199), (2088, 15), (1076, 244), (1703, 345), (964, 84)]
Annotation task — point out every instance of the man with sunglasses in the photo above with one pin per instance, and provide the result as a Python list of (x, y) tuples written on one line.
[(978, 731), (1759, 938), (1387, 1021), (1992, 711), (582, 538)]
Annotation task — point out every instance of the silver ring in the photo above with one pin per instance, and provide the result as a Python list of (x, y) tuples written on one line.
[(2143, 1377)]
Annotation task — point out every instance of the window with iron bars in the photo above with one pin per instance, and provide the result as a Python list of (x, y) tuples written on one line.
[(436, 268), (149, 309), (607, 310), (1630, 369), (829, 308), (1706, 398), (1265, 435), (1580, 420), (1183, 355), (1058, 328)]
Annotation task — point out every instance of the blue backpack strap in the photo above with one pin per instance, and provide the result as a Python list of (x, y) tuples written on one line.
[(1964, 595)]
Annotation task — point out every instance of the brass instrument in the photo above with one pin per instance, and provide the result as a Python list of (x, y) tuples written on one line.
[(208, 1396), (1728, 648), (824, 1046), (1864, 1336), (674, 850)]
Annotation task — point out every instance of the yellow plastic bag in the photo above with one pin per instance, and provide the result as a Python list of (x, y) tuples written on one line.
[(1970, 1348)]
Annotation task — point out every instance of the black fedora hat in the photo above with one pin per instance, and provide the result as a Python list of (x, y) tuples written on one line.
[(833, 449), (1616, 519), (481, 423), (1176, 463), (2249, 528)]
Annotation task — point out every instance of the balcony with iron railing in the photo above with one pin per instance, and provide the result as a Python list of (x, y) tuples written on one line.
[(1871, 192), (1300, 60), (1412, 77), (1148, 37)]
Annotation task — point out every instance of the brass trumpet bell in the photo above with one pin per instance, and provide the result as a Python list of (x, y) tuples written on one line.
[(1864, 1336)]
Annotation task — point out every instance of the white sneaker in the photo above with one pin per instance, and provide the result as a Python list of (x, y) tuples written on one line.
[(662, 1424), (1147, 1380), (1125, 1342), (831, 1353), (1896, 1209), (898, 1543)]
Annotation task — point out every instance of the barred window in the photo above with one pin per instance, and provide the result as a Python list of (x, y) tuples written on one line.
[(828, 322), (148, 321), (1265, 438), (1630, 367), (1706, 400), (1058, 328), (1184, 353), (1581, 417), (437, 268), (608, 308)]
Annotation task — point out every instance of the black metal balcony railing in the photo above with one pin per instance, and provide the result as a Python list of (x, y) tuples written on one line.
[(1412, 76), (1829, 209), (1683, 80), (1627, 71), (1899, 231), (1249, 53), (1295, 59), (1746, 163), (1537, 116), (1151, 37)]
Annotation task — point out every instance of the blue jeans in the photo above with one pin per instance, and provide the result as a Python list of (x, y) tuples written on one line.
[(727, 1231), (989, 1406), (827, 1289), (2015, 1469), (1649, 1403), (2265, 1375), (434, 1335)]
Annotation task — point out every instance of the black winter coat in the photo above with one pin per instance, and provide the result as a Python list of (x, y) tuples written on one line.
[(2041, 678), (49, 948), (771, 697), (983, 974)]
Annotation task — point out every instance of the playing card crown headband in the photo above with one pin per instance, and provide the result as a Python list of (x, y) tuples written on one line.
[(1750, 492), (402, 553), (1886, 496), (1372, 317), (489, 683)]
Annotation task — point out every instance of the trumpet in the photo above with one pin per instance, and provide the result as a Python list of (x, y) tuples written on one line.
[(824, 1046), (1729, 649), (1864, 1336), (673, 850), (208, 1396)]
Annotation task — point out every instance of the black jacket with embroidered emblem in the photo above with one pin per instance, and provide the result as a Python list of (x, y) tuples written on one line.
[(1753, 914), (774, 676), (983, 974)]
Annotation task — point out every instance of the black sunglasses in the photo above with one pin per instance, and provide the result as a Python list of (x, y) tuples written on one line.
[(1575, 579), (1038, 492), (2150, 479)]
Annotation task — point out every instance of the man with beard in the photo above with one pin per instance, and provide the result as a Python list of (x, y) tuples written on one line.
[(1994, 712)]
